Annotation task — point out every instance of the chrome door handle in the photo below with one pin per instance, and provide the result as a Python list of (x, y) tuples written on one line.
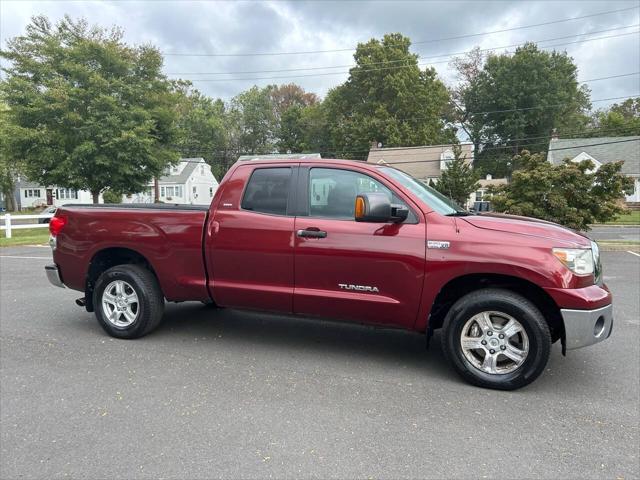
[(311, 233)]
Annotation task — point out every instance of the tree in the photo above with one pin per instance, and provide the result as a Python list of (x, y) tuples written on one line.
[(618, 121), (204, 129), (389, 99), (516, 100), (90, 112), (304, 130), (254, 115), (10, 165), (567, 194), (290, 95), (459, 179), (468, 69)]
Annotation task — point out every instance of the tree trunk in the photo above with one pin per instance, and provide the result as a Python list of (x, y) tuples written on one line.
[(96, 196), (156, 190)]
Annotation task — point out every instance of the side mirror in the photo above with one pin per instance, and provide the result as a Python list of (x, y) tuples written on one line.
[(375, 207)]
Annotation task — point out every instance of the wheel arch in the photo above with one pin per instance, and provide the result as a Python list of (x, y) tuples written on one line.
[(462, 285), (106, 258)]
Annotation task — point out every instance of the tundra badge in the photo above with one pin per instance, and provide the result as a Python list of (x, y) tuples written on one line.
[(437, 244), (360, 288)]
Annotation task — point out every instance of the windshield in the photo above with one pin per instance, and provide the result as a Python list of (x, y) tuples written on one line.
[(428, 195)]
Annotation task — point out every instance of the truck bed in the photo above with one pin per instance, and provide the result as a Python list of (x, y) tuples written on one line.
[(168, 237)]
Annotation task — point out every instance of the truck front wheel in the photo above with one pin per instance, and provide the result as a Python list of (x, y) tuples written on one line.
[(128, 301), (496, 338)]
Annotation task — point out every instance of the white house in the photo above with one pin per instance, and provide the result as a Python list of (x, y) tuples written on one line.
[(601, 150), (188, 182), (33, 195)]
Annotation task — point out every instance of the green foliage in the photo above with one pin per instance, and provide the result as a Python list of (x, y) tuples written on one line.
[(203, 129), (111, 196), (459, 180), (396, 106), (516, 101), (253, 114), (619, 120), (89, 111), (567, 194), (10, 165), (303, 129)]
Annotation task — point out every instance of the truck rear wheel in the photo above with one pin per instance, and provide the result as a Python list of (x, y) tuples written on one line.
[(496, 339), (128, 301)]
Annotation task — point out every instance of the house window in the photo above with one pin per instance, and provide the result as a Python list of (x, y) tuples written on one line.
[(36, 193), (178, 191), (211, 192), (479, 195), (445, 158), (169, 191), (162, 192), (201, 169)]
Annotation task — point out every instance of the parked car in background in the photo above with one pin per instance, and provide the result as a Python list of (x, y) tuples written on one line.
[(47, 211), (344, 240)]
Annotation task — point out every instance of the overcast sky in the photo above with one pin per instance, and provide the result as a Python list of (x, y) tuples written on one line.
[(234, 27)]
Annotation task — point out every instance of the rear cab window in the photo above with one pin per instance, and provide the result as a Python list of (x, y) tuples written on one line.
[(267, 191)]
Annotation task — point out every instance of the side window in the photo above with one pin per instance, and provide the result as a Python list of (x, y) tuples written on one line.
[(268, 191), (332, 192)]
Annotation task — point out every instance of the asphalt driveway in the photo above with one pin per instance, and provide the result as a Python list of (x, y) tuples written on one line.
[(223, 393)]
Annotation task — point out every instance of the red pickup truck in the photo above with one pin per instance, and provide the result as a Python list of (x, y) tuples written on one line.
[(344, 240)]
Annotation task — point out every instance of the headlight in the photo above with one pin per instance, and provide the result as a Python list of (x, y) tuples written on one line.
[(578, 260), (597, 264)]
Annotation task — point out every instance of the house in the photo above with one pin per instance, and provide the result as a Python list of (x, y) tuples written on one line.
[(480, 199), (424, 163), (34, 195), (601, 150), (190, 181)]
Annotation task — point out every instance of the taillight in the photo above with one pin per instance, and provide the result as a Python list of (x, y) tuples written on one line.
[(56, 225)]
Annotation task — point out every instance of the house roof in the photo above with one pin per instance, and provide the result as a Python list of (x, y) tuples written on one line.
[(289, 156), (602, 149), (190, 165), (28, 184), (421, 162)]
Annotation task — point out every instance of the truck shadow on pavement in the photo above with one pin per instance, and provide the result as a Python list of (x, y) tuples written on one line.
[(307, 339), (305, 343)]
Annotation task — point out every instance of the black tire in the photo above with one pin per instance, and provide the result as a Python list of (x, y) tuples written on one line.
[(514, 305), (150, 300)]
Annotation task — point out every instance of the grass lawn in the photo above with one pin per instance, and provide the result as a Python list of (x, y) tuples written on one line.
[(31, 236), (630, 218)]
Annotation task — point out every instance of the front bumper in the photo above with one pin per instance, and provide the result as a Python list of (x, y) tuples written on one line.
[(586, 327), (53, 275)]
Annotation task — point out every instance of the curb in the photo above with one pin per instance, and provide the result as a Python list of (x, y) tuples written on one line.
[(619, 248), (614, 225)]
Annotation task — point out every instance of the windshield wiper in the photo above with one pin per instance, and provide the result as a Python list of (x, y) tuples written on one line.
[(459, 213)]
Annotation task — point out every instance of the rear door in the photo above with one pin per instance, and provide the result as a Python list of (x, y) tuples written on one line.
[(249, 241), (372, 272)]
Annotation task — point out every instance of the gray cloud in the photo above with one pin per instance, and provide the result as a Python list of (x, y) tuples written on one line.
[(241, 27)]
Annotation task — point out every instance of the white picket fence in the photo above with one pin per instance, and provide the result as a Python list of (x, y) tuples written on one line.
[(8, 226)]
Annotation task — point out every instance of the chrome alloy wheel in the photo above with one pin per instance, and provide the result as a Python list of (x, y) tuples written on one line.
[(120, 304), (494, 342)]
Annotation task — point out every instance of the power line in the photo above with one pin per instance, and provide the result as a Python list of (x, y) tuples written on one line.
[(397, 66), (451, 54), (566, 135), (521, 147), (442, 39)]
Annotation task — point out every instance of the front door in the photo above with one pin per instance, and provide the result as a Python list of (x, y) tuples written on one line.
[(49, 196), (370, 272), (249, 241)]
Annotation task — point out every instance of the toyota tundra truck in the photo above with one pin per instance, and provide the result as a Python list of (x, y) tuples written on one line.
[(348, 241)]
